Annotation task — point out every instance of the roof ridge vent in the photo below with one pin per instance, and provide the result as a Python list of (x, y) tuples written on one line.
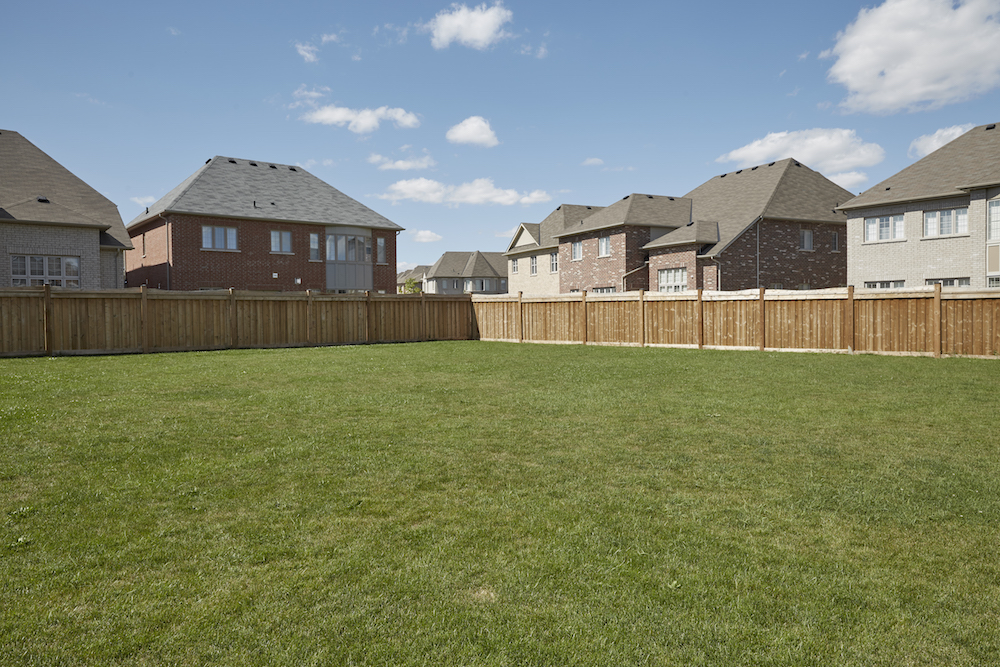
[(626, 197), (991, 126), (670, 198), (208, 160), (723, 176), (42, 199), (253, 164), (292, 169), (273, 167), (232, 161), (739, 171), (559, 208), (754, 168)]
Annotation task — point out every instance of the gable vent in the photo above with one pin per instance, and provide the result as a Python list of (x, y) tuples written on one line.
[(991, 126), (232, 162)]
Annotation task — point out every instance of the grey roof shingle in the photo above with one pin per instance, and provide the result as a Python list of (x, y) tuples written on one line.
[(469, 265), (635, 209), (237, 188), (417, 273), (782, 190), (972, 159), (28, 174), (544, 233)]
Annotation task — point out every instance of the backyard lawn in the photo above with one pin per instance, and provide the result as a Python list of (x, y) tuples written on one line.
[(473, 503)]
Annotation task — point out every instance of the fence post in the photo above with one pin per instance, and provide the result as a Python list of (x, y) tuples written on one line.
[(642, 318), (584, 297), (234, 330), (849, 324), (762, 334), (49, 334), (701, 321), (369, 317), (310, 319), (520, 319), (423, 318), (937, 319), (474, 331), (144, 320)]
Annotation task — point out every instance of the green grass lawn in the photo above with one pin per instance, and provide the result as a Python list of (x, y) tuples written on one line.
[(496, 504)]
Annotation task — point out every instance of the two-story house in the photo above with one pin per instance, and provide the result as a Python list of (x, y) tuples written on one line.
[(533, 252), (937, 221), (257, 225), (467, 273)]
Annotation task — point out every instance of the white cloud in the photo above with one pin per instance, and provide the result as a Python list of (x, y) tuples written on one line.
[(426, 236), (849, 179), (618, 169), (592, 162), (361, 121), (803, 55), (356, 58), (333, 37), (508, 233), (386, 163), (529, 50), (473, 130), (174, 31), (928, 143), (405, 266), (479, 191), (308, 52), (542, 51), (478, 28), (304, 97), (825, 150), (917, 55), (143, 201)]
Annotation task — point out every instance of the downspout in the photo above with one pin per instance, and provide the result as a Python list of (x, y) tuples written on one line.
[(758, 252), (645, 265)]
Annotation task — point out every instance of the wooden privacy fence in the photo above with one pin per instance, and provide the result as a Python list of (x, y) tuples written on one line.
[(922, 321), (38, 321)]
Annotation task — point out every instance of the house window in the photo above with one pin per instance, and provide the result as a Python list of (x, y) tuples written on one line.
[(993, 224), (884, 228), (835, 242), (604, 246), (144, 244), (348, 248), (380, 249), (805, 239), (513, 266), (949, 282), (993, 281), (503, 284), (454, 283), (487, 285), (314, 255), (533, 266), (553, 262), (884, 284), (56, 271), (603, 290), (281, 242), (218, 238), (946, 221), (672, 280), (577, 248)]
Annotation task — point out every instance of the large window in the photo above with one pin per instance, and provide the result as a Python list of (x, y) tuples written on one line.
[(314, 249), (884, 228), (348, 248), (577, 248), (604, 246), (281, 242), (672, 280), (946, 221), (56, 271), (553, 262), (533, 265), (218, 238)]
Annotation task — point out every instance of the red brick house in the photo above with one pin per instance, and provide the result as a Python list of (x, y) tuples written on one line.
[(260, 226)]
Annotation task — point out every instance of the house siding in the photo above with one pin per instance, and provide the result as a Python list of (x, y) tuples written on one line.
[(594, 272), (55, 240), (544, 283)]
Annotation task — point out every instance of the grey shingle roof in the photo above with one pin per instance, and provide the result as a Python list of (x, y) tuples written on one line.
[(635, 209), (236, 188), (970, 160), (469, 265), (565, 216), (417, 273), (27, 173), (782, 190)]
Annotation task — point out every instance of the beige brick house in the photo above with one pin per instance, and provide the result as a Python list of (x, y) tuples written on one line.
[(937, 221), (54, 228)]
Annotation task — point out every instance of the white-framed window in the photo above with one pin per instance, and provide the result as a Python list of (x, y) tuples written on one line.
[(314, 248), (454, 283), (805, 239), (993, 281), (946, 221), (835, 242), (218, 238), (513, 266), (604, 246), (603, 290), (27, 270), (533, 265), (993, 222), (503, 284), (884, 284), (884, 228), (672, 280), (949, 282), (577, 250), (553, 262), (380, 249), (281, 242), (348, 248)]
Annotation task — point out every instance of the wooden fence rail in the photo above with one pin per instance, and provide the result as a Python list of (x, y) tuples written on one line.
[(922, 321)]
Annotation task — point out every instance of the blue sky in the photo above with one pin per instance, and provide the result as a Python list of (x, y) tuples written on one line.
[(459, 121)]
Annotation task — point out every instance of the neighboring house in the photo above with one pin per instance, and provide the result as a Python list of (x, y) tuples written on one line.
[(54, 228), (533, 253), (937, 221), (773, 226), (416, 274), (467, 272), (261, 226)]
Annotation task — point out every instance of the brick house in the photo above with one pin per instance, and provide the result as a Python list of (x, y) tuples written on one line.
[(533, 252), (773, 226), (467, 273), (937, 221), (54, 228), (260, 226)]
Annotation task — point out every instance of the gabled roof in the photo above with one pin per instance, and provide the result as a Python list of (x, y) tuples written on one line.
[(968, 162), (237, 188), (635, 209), (701, 232), (36, 188), (469, 265), (417, 273), (782, 190), (544, 233)]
